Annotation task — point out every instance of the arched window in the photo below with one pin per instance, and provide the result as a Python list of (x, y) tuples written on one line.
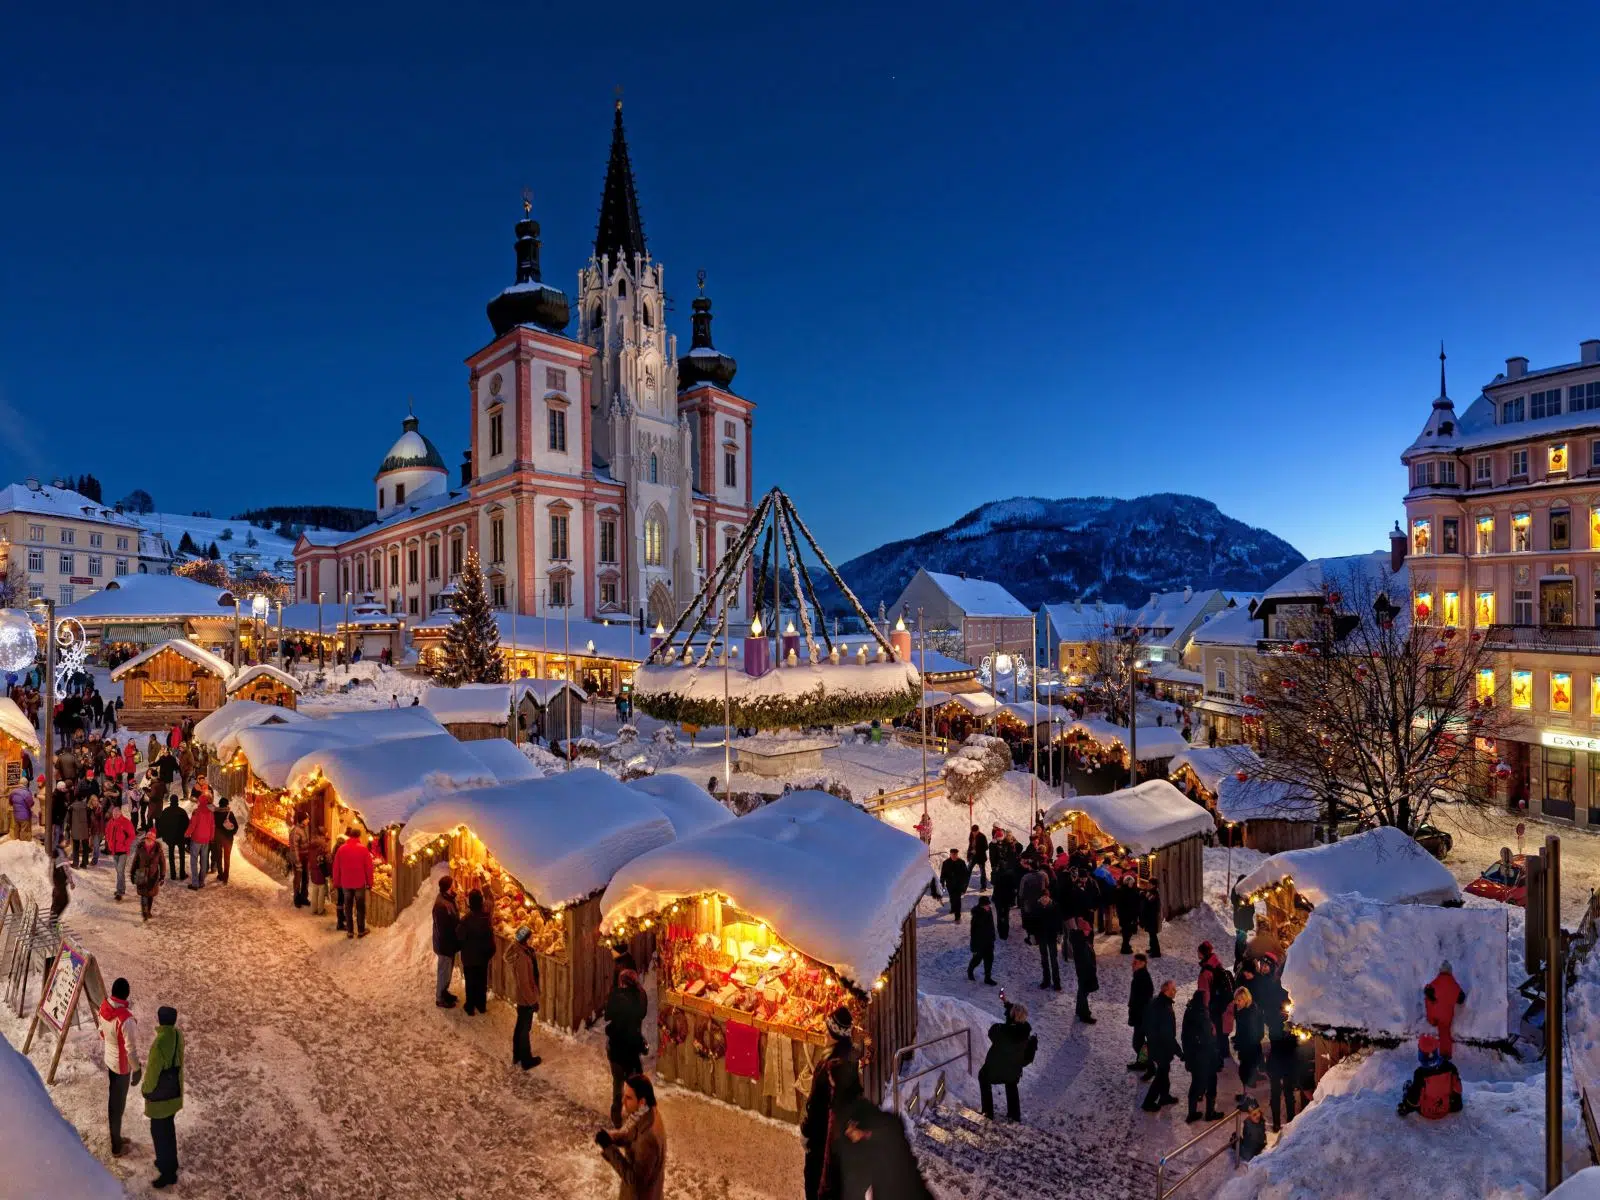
[(655, 470), (599, 317), (647, 315), (622, 288), (653, 539)]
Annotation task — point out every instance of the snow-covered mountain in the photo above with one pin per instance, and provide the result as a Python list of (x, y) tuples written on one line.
[(1092, 547)]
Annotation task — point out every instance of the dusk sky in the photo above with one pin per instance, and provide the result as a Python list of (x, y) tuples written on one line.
[(960, 253)]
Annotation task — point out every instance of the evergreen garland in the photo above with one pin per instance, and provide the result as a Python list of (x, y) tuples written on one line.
[(812, 708), (472, 642)]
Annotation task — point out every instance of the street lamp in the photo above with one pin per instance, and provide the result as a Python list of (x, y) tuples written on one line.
[(259, 606), (49, 607), (322, 654)]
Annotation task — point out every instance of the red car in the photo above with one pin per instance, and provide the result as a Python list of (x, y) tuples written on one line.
[(1505, 882)]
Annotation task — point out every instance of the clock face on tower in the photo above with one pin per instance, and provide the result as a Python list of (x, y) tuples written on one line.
[(495, 384)]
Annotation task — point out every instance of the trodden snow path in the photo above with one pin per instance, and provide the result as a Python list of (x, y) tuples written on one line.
[(320, 1067)]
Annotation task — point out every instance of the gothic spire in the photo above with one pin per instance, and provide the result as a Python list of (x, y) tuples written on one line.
[(620, 233)]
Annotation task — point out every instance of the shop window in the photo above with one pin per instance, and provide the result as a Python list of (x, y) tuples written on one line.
[(1485, 528), (1424, 607), (1452, 608), (1594, 710), (1558, 783), (1521, 531), (1594, 782), (1450, 536), (1560, 692), (1557, 458), (1594, 522), (1560, 529), (1485, 692), (1522, 689), (1422, 536), (1484, 613)]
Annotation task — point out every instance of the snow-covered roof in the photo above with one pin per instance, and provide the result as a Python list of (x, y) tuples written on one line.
[(619, 640), (1312, 577), (933, 698), (1167, 617), (302, 618), (1080, 620), (237, 715), (385, 782), (198, 655), (1381, 864), (1255, 799), (50, 1158), (260, 671), (931, 662), (1211, 763), (687, 805), (471, 703), (14, 723), (835, 883), (1155, 741), (1167, 672), (979, 704), (1143, 818), (1228, 627), (542, 691), (562, 837), (843, 678), (979, 597), (62, 503), (143, 597), (1361, 964), (504, 758), (273, 750)]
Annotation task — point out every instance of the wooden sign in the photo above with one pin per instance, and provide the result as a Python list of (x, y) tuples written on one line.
[(74, 973)]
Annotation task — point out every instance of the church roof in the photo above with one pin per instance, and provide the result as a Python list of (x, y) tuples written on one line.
[(412, 449), (620, 233)]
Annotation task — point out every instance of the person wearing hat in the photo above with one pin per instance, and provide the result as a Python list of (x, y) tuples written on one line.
[(445, 946), (835, 1084), (953, 874), (875, 1157), (625, 1011), (522, 979), (475, 937), (1435, 1087), (1440, 997), (1252, 1137), (225, 829), (163, 1094), (119, 1034), (1012, 1046)]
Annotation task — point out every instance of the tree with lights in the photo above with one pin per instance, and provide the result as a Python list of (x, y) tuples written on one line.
[(1111, 660), (1373, 705), (472, 642)]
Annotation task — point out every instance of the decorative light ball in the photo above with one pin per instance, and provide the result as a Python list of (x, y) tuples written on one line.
[(18, 646)]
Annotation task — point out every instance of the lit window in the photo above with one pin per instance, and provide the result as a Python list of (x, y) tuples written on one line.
[(1558, 458), (699, 545), (1519, 464), (1485, 527), (1422, 536), (652, 540), (1452, 608), (1424, 607), (1485, 609), (1522, 689), (1594, 695), (1450, 535), (1521, 531), (1486, 685), (1560, 692)]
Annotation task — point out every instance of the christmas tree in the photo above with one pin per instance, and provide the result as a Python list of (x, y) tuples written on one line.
[(472, 643)]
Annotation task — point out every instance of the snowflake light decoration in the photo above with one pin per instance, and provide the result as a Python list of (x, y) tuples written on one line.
[(1011, 667), (72, 650)]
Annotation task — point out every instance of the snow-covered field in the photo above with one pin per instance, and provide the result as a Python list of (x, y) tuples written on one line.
[(205, 530)]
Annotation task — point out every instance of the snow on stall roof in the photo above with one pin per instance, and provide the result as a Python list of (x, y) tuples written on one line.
[(1143, 818), (979, 597), (706, 683), (48, 1156), (134, 597), (14, 723), (933, 698), (979, 704), (1167, 672), (302, 618), (835, 883), (198, 655), (1155, 741), (471, 703), (687, 805), (385, 782), (1211, 763), (1381, 864), (1263, 800), (263, 670), (562, 837), (505, 758), (273, 750), (1585, 1185), (238, 715), (1362, 964), (618, 640), (544, 690)]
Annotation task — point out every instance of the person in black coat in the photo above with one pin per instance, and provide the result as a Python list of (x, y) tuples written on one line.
[(475, 935), (1046, 931), (1128, 904), (626, 1008), (978, 857), (1249, 1028), (1007, 873), (1201, 1057), (1150, 917), (1141, 990), (1011, 1048), (446, 918), (875, 1158), (835, 1085), (1161, 1043), (953, 874), (1081, 938), (172, 827), (982, 939)]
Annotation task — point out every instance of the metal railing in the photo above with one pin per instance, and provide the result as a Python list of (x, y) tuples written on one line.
[(1560, 637), (902, 797), (1162, 1190), (904, 1054)]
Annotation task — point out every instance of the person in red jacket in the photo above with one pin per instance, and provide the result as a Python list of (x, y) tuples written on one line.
[(1435, 1087), (352, 875), (202, 828), (1440, 999), (119, 844)]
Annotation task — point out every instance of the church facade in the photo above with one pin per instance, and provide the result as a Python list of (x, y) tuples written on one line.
[(605, 474)]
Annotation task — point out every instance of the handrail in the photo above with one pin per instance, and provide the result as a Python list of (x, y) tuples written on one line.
[(905, 1052), (903, 797), (1162, 1191)]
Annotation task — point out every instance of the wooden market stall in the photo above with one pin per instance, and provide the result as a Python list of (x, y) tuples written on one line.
[(17, 737), (225, 771), (1198, 771), (265, 685), (170, 682), (768, 924), (1382, 864), (542, 851), (1154, 823), (473, 711), (1271, 815), (550, 708)]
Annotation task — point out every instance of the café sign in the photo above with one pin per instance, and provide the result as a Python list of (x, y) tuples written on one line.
[(1569, 741)]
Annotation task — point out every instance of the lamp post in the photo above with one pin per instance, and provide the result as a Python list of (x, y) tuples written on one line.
[(322, 654), (727, 706), (259, 607), (236, 633), (922, 646), (345, 641), (280, 631), (49, 681)]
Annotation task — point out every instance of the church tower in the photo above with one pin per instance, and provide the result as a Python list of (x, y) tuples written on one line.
[(633, 404)]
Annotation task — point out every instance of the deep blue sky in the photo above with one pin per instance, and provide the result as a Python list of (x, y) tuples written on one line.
[(961, 252)]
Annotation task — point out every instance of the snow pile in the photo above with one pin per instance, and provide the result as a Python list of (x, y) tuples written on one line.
[(1381, 864), (543, 761), (980, 762), (28, 866), (1350, 1145), (364, 685), (1143, 818), (504, 759), (936, 1017), (386, 781), (48, 1158), (236, 715), (14, 724), (562, 838), (263, 671), (1361, 965), (201, 658), (1240, 800), (834, 883), (1585, 1185), (273, 750), (1583, 1022), (688, 808), (469, 704)]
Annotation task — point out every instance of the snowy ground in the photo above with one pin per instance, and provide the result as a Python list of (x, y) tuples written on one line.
[(1479, 834)]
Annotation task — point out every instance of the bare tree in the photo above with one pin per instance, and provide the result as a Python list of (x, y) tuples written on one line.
[(1375, 706), (1113, 655), (13, 584)]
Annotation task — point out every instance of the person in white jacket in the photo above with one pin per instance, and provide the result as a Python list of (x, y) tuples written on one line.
[(119, 1033)]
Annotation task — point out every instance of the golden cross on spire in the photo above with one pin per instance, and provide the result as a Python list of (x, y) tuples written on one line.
[(700, 279), (619, 97), (527, 202)]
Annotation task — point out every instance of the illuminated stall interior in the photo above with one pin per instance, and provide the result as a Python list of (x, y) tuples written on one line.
[(265, 685), (17, 737), (170, 682)]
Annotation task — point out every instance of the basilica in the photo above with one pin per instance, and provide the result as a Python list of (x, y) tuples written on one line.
[(605, 473)]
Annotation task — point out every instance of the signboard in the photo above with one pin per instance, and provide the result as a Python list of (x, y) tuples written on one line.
[(1569, 741), (73, 973), (80, 579)]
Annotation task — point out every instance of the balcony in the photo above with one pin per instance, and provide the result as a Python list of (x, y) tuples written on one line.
[(1576, 639)]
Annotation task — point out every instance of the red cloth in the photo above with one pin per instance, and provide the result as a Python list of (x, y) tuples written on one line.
[(743, 1056), (352, 865), (119, 834), (203, 822)]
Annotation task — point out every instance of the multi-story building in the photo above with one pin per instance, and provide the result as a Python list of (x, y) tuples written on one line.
[(1071, 632), (1168, 619), (987, 618), (605, 473), (1225, 651), (69, 545), (1503, 534)]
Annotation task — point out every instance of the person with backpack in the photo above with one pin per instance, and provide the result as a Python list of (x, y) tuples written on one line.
[(1435, 1087), (149, 868), (1012, 1047), (163, 1094), (953, 874), (1216, 982)]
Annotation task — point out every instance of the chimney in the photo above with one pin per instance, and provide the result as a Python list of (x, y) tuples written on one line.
[(1516, 367), (466, 467), (59, 483), (1188, 594), (1589, 350), (1397, 540), (32, 483)]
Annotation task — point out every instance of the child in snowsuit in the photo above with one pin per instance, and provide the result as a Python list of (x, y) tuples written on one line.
[(1435, 1087)]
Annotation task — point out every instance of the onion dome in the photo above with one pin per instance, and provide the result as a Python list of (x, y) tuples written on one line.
[(412, 449), (529, 301), (704, 363)]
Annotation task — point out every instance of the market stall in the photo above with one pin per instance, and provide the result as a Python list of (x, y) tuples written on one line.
[(1265, 814), (170, 682), (473, 711), (17, 737), (1382, 864), (548, 708), (1101, 744), (542, 851), (265, 684), (769, 923), (1198, 770), (225, 773), (1153, 823)]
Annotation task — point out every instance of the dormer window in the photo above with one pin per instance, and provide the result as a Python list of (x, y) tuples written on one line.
[(1513, 410), (1545, 404)]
